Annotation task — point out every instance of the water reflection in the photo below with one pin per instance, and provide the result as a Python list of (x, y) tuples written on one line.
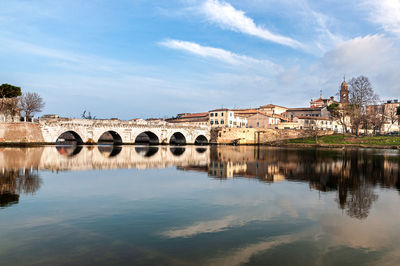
[(146, 151), (14, 182), (177, 151), (232, 206), (109, 150), (352, 174), (68, 150)]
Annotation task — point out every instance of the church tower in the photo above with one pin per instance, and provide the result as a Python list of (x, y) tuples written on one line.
[(344, 92)]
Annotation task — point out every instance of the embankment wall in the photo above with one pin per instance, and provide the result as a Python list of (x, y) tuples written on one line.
[(23, 132), (258, 135)]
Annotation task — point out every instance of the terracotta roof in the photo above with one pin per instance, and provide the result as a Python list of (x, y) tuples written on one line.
[(272, 105), (194, 115), (221, 109), (188, 120), (245, 111), (313, 117), (306, 109)]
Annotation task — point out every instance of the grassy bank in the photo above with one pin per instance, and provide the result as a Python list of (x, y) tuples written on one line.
[(350, 140)]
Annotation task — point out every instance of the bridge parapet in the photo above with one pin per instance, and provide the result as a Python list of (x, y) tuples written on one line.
[(91, 130)]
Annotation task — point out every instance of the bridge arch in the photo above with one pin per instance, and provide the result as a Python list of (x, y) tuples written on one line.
[(177, 138), (110, 137), (69, 137), (201, 140), (147, 137)]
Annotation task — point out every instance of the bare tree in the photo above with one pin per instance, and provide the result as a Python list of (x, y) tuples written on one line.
[(361, 96), (340, 114), (9, 107), (30, 103), (313, 130), (391, 116), (376, 117), (87, 115)]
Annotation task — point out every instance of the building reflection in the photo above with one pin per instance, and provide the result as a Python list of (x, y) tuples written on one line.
[(14, 182), (352, 174)]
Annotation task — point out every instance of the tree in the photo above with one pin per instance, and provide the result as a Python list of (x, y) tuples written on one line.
[(312, 129), (9, 100), (376, 117), (392, 116), (361, 96), (9, 107), (340, 114), (9, 91), (87, 115), (30, 103)]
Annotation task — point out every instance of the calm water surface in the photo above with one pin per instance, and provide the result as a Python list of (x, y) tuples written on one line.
[(199, 205)]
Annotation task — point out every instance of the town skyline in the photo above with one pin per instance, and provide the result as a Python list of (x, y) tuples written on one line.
[(155, 59)]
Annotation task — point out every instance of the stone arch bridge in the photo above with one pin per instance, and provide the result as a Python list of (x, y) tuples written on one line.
[(121, 132)]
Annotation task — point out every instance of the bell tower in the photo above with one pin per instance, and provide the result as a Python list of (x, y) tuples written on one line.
[(344, 92)]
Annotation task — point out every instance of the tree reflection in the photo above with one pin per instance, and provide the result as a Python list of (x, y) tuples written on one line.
[(360, 201), (352, 173), (15, 182)]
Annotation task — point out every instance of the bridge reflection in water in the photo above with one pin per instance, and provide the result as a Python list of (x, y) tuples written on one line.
[(351, 174)]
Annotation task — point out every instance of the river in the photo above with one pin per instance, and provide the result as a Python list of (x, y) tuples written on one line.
[(199, 205)]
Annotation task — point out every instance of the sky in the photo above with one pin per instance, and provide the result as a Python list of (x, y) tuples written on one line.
[(156, 58)]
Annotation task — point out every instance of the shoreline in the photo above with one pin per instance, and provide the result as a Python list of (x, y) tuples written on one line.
[(289, 145)]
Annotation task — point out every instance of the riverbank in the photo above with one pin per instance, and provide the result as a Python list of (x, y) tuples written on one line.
[(340, 141)]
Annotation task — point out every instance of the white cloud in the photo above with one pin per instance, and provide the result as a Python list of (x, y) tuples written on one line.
[(226, 16), (217, 53), (386, 13), (243, 254), (374, 56), (364, 54)]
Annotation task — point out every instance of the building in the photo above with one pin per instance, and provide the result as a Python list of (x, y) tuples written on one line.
[(227, 118), (195, 118), (344, 93), (272, 109), (321, 102), (262, 120), (307, 111), (289, 125), (387, 116), (318, 123)]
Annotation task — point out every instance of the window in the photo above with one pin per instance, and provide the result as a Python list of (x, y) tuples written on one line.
[(222, 114), (231, 114), (222, 121), (230, 122), (212, 114), (216, 122), (258, 124), (212, 122), (216, 114)]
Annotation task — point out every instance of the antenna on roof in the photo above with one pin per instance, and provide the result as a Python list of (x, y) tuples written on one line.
[(320, 94)]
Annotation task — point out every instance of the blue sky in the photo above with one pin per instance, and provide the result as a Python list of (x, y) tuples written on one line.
[(138, 58)]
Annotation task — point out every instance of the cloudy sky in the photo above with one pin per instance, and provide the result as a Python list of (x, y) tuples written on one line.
[(156, 58)]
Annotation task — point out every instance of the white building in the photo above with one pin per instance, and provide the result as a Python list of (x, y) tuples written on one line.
[(226, 118)]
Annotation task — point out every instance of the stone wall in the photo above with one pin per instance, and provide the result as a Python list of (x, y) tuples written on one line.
[(255, 136), (20, 132)]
